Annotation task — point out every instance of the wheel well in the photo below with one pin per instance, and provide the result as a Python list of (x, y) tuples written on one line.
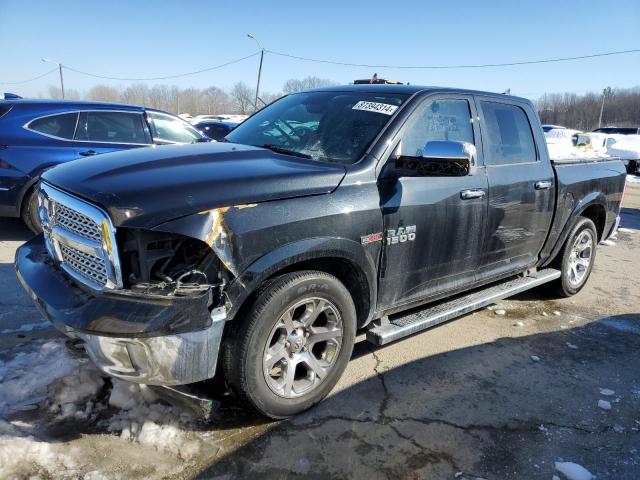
[(597, 214), (350, 275), (26, 195)]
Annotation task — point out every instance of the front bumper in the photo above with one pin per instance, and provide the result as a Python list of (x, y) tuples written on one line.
[(138, 338)]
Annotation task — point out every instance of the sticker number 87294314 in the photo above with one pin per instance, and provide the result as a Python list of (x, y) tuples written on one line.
[(384, 108)]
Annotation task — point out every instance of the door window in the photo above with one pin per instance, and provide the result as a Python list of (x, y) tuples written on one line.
[(507, 136), (438, 120), (170, 129), (59, 126), (111, 127)]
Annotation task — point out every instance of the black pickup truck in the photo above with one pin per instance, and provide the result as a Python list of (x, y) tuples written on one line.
[(257, 259)]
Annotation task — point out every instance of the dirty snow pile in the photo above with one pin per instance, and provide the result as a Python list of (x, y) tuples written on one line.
[(47, 378), (626, 147), (47, 373), (145, 421), (560, 146), (573, 471), (560, 135)]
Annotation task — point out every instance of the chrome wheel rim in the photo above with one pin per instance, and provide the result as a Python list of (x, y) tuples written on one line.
[(580, 258), (303, 347)]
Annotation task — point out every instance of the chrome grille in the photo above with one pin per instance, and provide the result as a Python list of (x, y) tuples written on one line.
[(89, 266), (76, 222), (81, 237)]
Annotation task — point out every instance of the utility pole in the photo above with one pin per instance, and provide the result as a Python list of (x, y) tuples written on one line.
[(60, 71), (605, 93), (255, 103)]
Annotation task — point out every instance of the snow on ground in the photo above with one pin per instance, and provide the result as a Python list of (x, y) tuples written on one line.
[(633, 178), (28, 327), (573, 471), (67, 389), (26, 378)]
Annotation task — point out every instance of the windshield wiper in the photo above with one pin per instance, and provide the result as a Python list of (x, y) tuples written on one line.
[(279, 149)]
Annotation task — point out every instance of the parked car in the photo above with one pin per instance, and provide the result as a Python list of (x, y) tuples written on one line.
[(215, 130), (256, 260), (37, 134), (548, 127), (219, 117), (618, 130)]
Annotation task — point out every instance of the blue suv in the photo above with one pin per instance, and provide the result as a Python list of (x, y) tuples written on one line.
[(38, 134)]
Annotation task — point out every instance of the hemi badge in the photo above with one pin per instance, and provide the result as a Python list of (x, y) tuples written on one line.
[(372, 237)]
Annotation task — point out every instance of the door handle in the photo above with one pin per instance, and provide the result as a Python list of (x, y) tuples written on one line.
[(543, 185), (470, 194), (88, 153)]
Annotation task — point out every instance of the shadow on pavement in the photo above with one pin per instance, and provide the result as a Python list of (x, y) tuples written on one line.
[(488, 411), (630, 218), (13, 229)]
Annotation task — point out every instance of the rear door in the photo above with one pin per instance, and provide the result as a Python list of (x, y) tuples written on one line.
[(521, 186), (103, 131), (434, 225)]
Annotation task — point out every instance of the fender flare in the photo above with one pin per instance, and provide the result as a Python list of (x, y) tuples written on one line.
[(35, 178), (318, 248), (594, 198)]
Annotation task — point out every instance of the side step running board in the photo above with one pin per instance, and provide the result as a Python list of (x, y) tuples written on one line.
[(435, 314)]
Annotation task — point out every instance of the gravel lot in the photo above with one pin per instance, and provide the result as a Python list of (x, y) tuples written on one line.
[(488, 396)]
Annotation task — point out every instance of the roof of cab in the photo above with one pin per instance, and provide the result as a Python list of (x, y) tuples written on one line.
[(410, 90)]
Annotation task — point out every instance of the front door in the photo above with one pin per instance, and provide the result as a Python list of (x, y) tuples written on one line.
[(434, 226), (521, 187)]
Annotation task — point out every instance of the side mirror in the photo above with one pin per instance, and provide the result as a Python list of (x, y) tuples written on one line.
[(439, 159)]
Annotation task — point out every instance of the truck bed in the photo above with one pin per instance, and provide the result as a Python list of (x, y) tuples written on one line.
[(579, 181)]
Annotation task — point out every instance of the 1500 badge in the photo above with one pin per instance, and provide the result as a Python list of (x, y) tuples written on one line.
[(401, 235)]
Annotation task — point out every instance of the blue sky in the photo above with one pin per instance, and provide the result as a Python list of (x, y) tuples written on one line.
[(145, 38)]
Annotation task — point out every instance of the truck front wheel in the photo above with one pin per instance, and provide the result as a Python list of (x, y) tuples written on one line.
[(576, 257), (293, 344)]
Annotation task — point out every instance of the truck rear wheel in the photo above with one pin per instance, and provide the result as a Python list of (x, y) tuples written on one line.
[(576, 257), (293, 344)]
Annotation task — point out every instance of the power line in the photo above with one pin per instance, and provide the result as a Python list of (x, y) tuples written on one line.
[(443, 67), (332, 62), (166, 77), (30, 79)]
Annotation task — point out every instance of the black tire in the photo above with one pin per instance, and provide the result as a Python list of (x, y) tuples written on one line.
[(568, 284), (244, 346), (29, 211), (632, 167)]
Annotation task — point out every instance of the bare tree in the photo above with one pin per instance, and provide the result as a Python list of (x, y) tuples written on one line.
[(103, 93), (136, 94), (266, 98), (243, 98), (582, 112), (215, 101), (296, 85), (171, 98), (69, 93)]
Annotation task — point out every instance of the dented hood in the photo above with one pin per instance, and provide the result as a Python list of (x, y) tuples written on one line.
[(148, 186)]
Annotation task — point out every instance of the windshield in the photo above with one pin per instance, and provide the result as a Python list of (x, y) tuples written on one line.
[(326, 126)]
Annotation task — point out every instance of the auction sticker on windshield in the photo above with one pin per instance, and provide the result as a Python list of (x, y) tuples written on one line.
[(375, 107)]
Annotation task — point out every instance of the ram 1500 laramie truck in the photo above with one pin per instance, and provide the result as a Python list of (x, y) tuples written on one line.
[(382, 207)]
